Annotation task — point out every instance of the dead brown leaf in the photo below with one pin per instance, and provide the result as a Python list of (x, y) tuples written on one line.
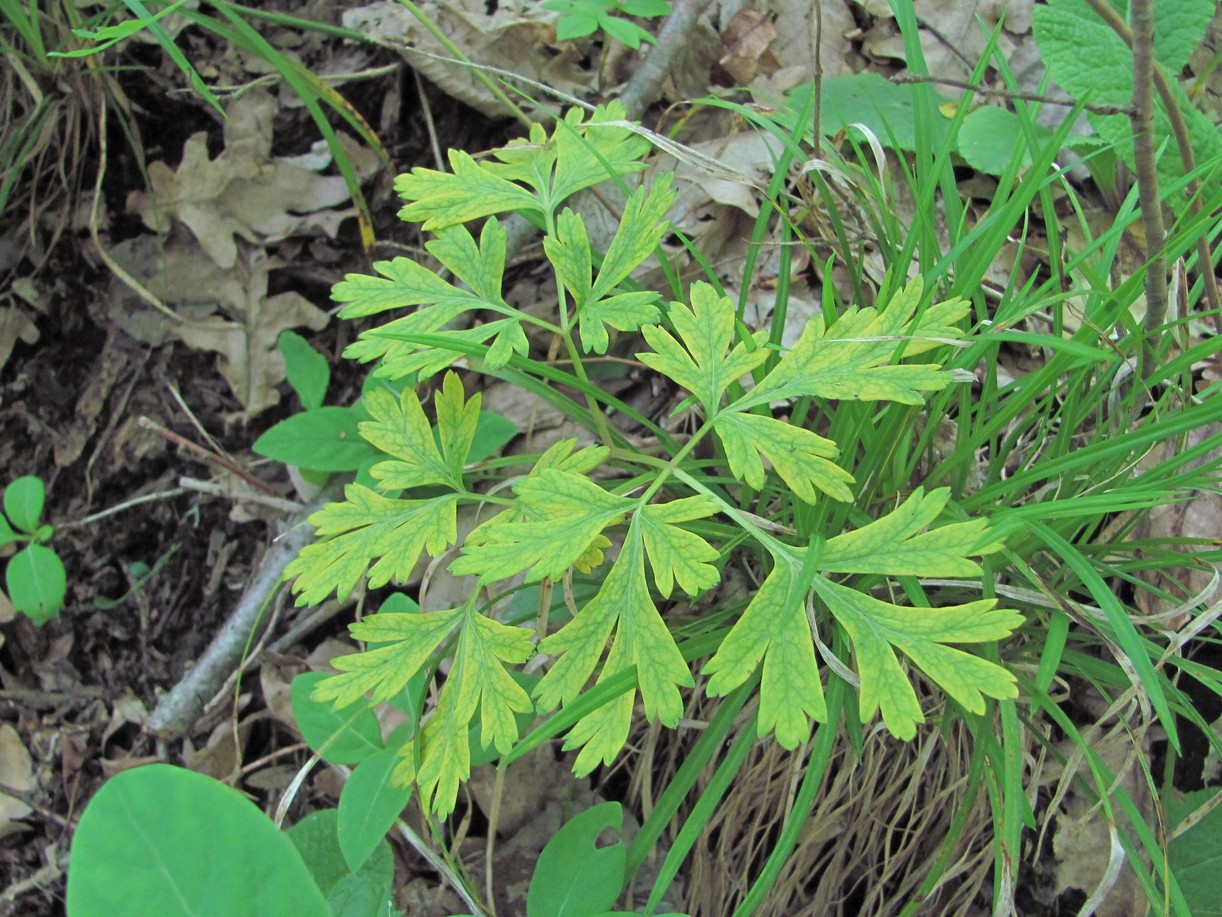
[(249, 359), (243, 192)]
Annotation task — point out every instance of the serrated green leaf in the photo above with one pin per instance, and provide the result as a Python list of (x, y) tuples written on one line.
[(305, 368), (482, 266), (638, 234), (410, 640), (877, 629), (803, 459), (641, 639), (640, 230), (599, 148), (477, 682), (323, 439), (398, 427), (565, 513), (775, 628), (442, 199), (701, 364), (892, 545), (367, 527), (849, 360), (568, 249), (23, 502), (675, 554), (403, 283)]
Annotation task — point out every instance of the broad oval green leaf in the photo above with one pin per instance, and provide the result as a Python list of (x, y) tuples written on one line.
[(160, 841), (23, 502), (324, 439), (37, 583), (365, 892), (368, 806), (574, 877), (345, 736)]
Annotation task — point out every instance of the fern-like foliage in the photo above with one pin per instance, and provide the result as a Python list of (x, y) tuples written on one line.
[(654, 533)]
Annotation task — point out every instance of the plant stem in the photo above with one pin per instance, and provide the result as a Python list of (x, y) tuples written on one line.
[(1142, 18), (1182, 141)]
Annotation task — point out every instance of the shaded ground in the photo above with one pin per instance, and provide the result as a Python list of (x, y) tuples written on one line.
[(148, 584)]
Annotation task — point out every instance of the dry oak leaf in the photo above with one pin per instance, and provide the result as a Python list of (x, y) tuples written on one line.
[(249, 359), (243, 192)]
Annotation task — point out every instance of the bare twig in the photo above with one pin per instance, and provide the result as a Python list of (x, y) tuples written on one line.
[(1142, 19), (645, 85), (1183, 143), (1010, 94), (177, 711), (206, 455)]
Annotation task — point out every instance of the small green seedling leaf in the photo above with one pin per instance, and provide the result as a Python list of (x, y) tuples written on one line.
[(363, 892), (493, 433), (321, 439), (161, 841), (36, 583), (306, 369), (23, 502), (7, 535), (574, 877), (347, 735)]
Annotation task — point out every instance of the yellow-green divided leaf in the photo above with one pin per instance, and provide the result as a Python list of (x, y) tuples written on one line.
[(367, 527), (775, 628), (675, 554), (850, 360), (411, 639), (878, 629), (565, 514), (399, 428), (600, 148), (803, 459), (703, 363), (442, 199), (641, 639), (476, 683), (893, 546), (481, 266), (640, 230)]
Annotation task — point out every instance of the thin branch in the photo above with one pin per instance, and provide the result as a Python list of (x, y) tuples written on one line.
[(1010, 94), (206, 455), (1183, 143), (645, 85), (177, 711), (1142, 18)]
